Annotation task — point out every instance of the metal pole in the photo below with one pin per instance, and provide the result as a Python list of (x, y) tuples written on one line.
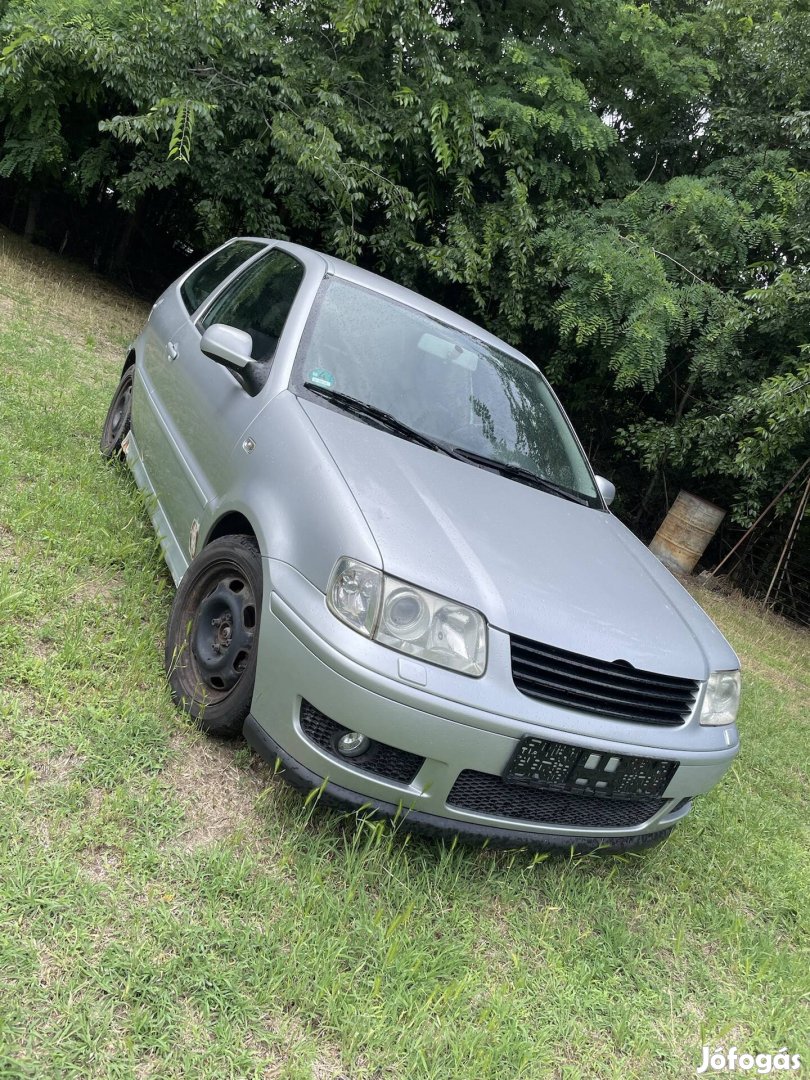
[(768, 508), (791, 536)]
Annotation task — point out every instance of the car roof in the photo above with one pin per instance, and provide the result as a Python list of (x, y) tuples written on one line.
[(369, 280)]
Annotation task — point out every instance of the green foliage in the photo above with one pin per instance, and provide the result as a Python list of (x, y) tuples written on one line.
[(622, 189), (748, 439)]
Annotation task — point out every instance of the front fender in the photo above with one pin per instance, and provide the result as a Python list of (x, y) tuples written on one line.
[(295, 498)]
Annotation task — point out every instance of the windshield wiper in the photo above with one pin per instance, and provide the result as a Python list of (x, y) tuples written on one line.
[(517, 472), (384, 419)]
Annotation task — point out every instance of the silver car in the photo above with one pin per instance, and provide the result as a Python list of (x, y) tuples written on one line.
[(396, 570)]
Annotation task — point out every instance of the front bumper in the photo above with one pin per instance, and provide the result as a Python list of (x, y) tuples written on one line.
[(307, 654)]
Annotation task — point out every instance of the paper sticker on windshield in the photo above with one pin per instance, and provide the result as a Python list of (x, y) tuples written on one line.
[(448, 350), (321, 377)]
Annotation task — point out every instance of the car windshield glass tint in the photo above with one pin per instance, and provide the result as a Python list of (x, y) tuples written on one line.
[(441, 382)]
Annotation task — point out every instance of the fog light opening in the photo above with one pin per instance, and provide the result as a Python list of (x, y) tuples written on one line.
[(353, 744)]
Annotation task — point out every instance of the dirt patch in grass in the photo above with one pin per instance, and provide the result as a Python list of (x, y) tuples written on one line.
[(326, 1066), (42, 648), (274, 1040), (6, 543), (51, 966), (218, 797), (94, 799), (272, 1058), (23, 701), (100, 863), (93, 589), (59, 768)]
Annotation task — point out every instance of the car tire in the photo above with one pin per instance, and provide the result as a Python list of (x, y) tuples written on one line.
[(212, 634), (119, 417)]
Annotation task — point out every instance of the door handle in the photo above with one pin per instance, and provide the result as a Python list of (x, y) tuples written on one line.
[(171, 351)]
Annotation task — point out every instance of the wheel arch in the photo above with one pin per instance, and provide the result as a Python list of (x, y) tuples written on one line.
[(130, 360), (231, 523)]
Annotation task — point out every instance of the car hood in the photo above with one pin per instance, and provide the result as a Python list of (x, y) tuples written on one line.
[(534, 564)]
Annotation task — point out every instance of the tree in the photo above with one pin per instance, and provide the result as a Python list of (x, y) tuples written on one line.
[(619, 188)]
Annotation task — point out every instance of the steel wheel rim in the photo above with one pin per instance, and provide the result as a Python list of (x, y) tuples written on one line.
[(222, 632), (120, 412)]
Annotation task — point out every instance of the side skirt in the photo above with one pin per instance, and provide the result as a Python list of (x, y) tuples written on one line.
[(172, 551)]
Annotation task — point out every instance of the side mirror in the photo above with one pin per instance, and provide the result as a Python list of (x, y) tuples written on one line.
[(229, 346), (606, 489)]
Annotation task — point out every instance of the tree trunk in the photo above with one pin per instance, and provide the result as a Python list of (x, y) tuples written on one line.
[(12, 217), (642, 506), (121, 250), (31, 217)]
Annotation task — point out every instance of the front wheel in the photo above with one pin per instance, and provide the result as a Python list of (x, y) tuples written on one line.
[(119, 417), (212, 633)]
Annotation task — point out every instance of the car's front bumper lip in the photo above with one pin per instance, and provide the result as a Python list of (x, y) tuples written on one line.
[(426, 824), (297, 661)]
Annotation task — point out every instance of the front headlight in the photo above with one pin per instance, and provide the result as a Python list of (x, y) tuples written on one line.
[(411, 620), (354, 594), (722, 698)]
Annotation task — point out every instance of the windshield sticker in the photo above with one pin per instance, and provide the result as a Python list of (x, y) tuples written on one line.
[(321, 377)]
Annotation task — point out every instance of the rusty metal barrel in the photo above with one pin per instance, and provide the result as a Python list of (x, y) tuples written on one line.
[(685, 532)]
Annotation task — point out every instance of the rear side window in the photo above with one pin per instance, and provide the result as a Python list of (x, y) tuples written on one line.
[(259, 301), (201, 282)]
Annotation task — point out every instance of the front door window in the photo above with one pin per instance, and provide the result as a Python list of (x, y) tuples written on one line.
[(259, 301)]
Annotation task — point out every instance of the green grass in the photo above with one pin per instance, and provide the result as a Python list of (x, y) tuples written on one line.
[(169, 909)]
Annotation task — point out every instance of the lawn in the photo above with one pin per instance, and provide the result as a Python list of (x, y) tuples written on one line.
[(168, 908)]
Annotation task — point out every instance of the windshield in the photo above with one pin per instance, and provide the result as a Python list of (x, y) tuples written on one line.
[(441, 382)]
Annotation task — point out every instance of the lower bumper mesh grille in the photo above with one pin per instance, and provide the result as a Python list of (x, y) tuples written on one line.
[(483, 793), (380, 758)]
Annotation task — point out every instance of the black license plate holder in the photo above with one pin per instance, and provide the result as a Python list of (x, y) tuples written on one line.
[(554, 766)]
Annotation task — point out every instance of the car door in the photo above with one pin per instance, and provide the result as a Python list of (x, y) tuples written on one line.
[(210, 409), (150, 422), (161, 381)]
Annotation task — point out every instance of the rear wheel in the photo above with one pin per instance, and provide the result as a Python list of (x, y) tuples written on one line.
[(119, 417), (212, 632)]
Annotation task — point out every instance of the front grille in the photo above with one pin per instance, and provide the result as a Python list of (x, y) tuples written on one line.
[(599, 686), (380, 758), (483, 793)]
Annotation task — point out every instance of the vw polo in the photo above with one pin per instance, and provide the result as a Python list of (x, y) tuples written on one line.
[(396, 571)]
